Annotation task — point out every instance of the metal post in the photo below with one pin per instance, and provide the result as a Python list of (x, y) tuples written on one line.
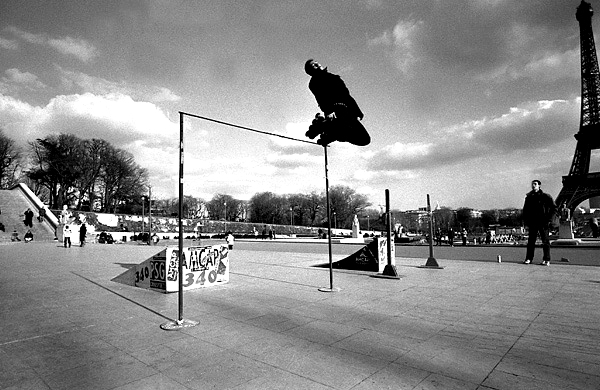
[(431, 261), (180, 323), (390, 269), (330, 289), (430, 227), (180, 227), (143, 222), (150, 213)]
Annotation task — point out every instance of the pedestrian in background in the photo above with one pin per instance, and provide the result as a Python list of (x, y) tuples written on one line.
[(28, 218), (229, 239), (82, 234), (42, 214), (67, 236), (538, 211)]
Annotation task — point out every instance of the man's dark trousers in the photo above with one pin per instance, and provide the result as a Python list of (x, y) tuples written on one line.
[(543, 231)]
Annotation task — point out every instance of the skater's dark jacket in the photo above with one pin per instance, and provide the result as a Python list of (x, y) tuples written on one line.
[(329, 89), (538, 209)]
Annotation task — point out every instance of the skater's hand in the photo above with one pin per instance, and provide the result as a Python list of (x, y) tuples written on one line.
[(331, 116)]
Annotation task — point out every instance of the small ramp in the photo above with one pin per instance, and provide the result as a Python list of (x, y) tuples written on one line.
[(203, 266), (371, 257)]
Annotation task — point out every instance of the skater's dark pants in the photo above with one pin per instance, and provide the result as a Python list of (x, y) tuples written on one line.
[(543, 231), (348, 129)]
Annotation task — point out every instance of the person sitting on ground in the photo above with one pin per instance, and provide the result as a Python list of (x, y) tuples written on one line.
[(15, 236), (28, 236), (2, 228)]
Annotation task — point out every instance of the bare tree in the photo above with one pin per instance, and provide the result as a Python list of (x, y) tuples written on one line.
[(56, 164), (11, 162)]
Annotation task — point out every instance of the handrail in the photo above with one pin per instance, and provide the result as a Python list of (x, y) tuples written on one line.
[(50, 217)]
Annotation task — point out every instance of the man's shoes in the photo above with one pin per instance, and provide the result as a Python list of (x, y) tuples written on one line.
[(317, 126), (527, 261), (545, 262)]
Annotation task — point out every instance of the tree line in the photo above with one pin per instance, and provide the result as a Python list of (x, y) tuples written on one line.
[(64, 169), (93, 175)]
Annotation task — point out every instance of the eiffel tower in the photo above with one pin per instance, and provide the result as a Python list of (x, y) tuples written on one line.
[(581, 184)]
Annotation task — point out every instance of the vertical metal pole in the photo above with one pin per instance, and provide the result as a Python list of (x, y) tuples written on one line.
[(389, 270), (328, 220), (431, 261), (388, 226), (330, 289), (180, 257), (180, 323), (430, 227), (149, 212)]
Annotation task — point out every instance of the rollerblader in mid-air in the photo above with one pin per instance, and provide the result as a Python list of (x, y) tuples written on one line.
[(341, 121)]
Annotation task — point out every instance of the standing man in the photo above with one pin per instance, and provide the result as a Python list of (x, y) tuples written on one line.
[(451, 237), (82, 234), (342, 115), (28, 218), (538, 211)]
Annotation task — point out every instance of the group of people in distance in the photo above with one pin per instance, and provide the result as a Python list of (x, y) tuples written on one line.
[(70, 230)]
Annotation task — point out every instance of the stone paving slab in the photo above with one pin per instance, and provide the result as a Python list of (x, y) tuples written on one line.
[(473, 325)]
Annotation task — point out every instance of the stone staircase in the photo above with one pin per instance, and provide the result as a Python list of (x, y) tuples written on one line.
[(13, 204)]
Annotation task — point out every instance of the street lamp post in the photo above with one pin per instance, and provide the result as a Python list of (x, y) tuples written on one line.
[(334, 220), (368, 227), (143, 222), (149, 211), (225, 204)]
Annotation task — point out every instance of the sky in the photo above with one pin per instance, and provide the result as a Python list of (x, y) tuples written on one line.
[(465, 100)]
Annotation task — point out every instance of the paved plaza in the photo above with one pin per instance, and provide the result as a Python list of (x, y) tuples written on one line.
[(68, 324)]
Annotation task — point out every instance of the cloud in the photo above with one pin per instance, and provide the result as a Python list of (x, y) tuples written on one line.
[(113, 117), (136, 126), (372, 4), (290, 144), (399, 43), (8, 44), (37, 39), (100, 86), (532, 126), (531, 52), (294, 161), (485, 38), (75, 47), (15, 76)]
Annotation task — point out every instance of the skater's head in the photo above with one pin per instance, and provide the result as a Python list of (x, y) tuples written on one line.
[(535, 185), (312, 67)]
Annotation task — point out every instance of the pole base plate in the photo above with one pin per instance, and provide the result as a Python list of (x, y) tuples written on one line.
[(431, 263), (178, 324), (328, 289)]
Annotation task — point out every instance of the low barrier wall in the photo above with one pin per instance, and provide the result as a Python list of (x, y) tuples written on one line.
[(203, 266)]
